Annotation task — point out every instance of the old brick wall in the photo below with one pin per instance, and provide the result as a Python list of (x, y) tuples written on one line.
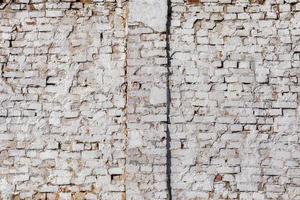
[(235, 99), (146, 93), (154, 99), (62, 100)]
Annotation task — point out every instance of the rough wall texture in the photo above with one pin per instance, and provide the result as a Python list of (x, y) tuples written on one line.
[(235, 100), (62, 116), (156, 99), (146, 72)]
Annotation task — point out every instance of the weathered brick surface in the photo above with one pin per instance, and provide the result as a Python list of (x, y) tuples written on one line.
[(146, 73), (84, 110), (62, 116), (235, 100)]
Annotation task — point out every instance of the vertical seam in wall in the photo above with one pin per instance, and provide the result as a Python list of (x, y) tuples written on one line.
[(126, 95), (168, 136)]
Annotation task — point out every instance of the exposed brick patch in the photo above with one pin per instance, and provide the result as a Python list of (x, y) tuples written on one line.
[(30, 7), (258, 1), (193, 1), (218, 178), (86, 1)]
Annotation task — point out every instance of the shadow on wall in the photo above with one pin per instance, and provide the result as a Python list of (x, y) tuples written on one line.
[(258, 1)]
